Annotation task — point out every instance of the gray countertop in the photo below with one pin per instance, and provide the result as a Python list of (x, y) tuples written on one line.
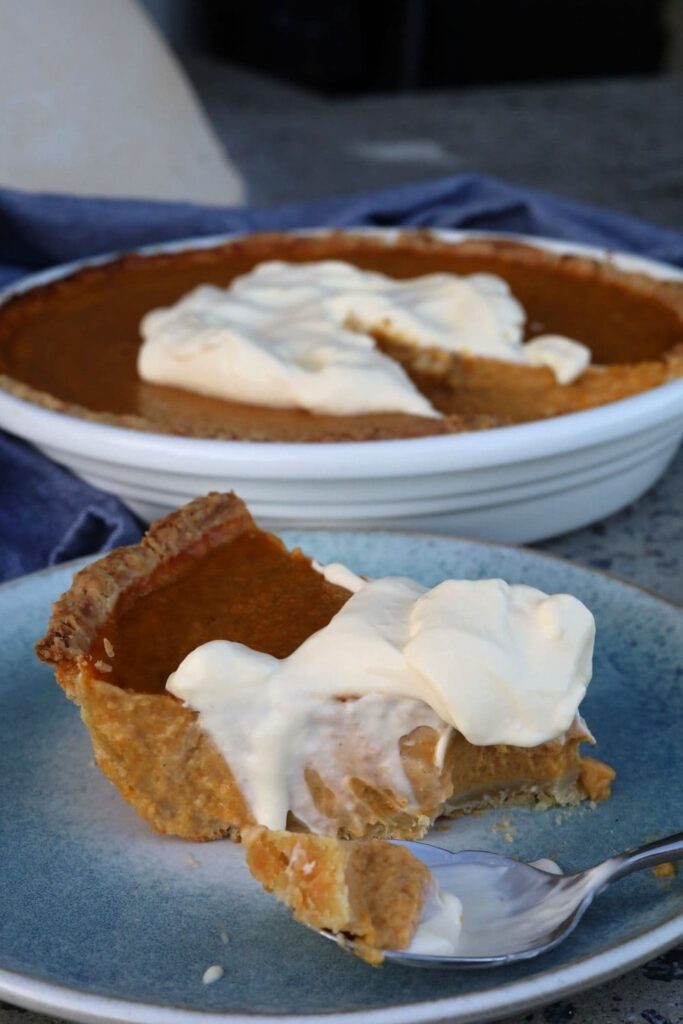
[(617, 143), (643, 543)]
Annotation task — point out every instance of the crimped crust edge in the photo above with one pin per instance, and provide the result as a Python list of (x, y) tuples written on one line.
[(76, 616)]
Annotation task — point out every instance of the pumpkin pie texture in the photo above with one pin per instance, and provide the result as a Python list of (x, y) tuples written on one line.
[(369, 892), (204, 573), (72, 346)]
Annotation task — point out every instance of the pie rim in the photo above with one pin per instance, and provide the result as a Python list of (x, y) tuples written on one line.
[(204, 801), (669, 292)]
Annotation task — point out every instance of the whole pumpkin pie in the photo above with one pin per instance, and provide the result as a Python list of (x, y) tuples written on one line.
[(73, 345), (206, 579)]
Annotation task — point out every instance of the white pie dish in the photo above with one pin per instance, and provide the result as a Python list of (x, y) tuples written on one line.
[(513, 484)]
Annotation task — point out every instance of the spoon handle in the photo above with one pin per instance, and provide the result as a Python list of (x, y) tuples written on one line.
[(648, 856)]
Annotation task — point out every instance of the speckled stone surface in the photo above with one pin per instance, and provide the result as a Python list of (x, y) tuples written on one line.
[(614, 143), (643, 543)]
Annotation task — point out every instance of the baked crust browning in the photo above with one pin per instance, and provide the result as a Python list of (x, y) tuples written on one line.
[(473, 385), (153, 748), (472, 393), (161, 761), (260, 423), (371, 892), (148, 745), (131, 572)]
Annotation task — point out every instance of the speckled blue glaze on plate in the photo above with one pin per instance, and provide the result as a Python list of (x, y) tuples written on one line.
[(100, 919)]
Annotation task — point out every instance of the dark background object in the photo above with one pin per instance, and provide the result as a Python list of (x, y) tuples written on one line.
[(344, 47)]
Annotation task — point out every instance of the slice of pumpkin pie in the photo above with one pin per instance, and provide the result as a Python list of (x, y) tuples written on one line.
[(228, 682), (371, 894)]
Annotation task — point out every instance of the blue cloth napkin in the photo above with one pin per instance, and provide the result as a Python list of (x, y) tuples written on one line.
[(48, 515)]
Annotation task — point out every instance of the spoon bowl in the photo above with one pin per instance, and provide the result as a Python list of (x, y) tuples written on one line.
[(515, 911)]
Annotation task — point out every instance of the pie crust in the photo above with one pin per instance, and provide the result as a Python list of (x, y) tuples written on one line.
[(71, 346), (369, 892), (152, 747)]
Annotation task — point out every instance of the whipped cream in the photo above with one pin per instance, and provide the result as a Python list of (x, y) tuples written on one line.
[(212, 974), (299, 335), (282, 350), (566, 358), (499, 663), (340, 575), (438, 931)]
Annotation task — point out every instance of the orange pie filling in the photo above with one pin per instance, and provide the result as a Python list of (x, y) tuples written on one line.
[(73, 345), (372, 892), (206, 573)]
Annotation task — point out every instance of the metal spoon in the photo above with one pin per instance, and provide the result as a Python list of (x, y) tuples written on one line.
[(512, 910)]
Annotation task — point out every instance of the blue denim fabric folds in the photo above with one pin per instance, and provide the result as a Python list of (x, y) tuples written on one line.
[(48, 515)]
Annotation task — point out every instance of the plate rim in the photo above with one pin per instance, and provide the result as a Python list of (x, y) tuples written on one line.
[(578, 974), (514, 997)]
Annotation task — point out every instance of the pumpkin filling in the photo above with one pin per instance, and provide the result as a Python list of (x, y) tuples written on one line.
[(206, 574), (73, 345)]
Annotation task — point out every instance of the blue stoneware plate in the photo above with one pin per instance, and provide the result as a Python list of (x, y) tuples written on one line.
[(100, 919)]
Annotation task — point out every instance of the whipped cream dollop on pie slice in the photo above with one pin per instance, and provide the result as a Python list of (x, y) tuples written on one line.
[(319, 695), (301, 335), (494, 662)]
